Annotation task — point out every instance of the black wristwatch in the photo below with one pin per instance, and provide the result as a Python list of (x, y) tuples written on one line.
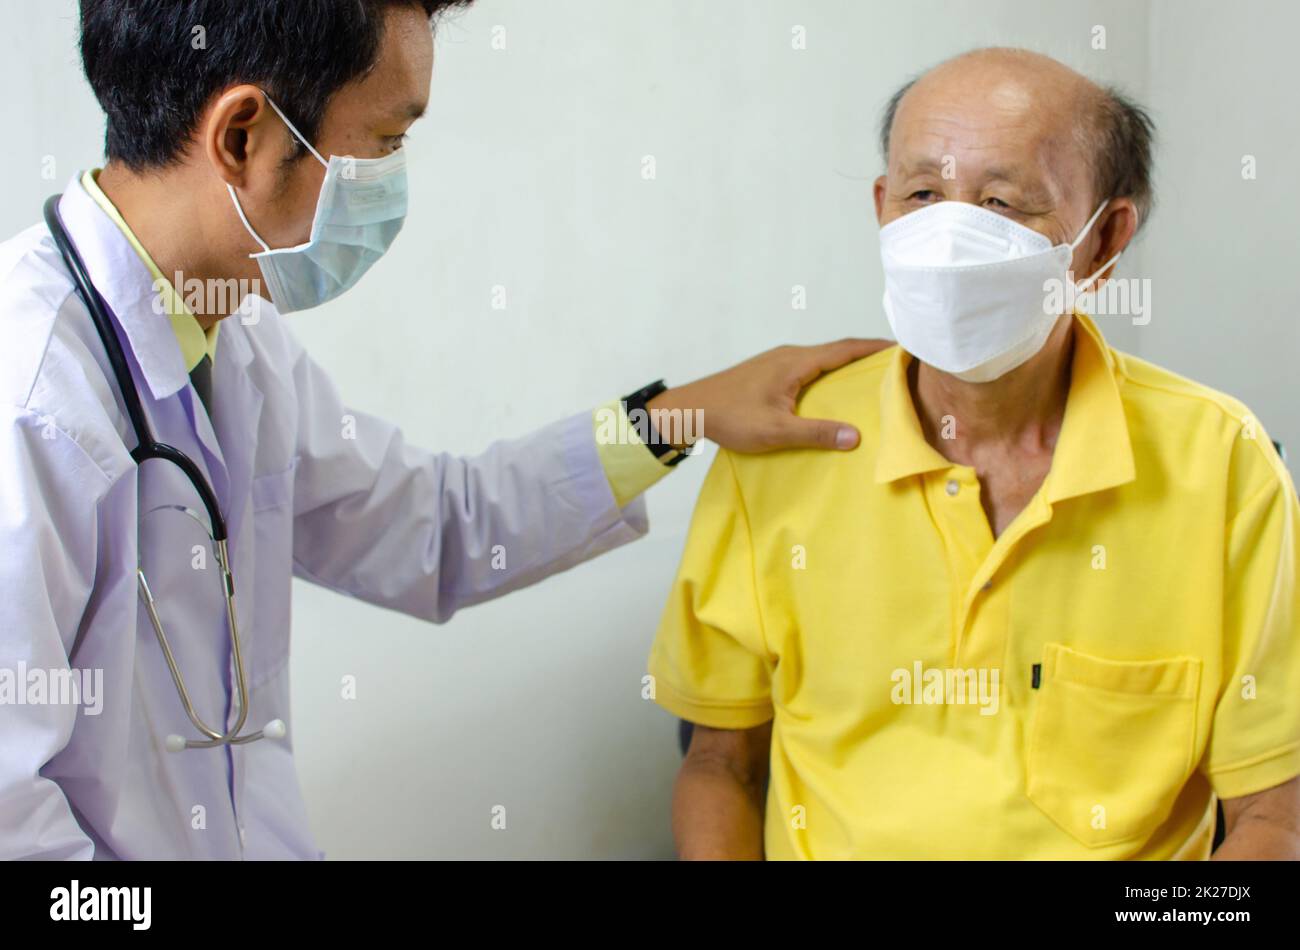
[(661, 450)]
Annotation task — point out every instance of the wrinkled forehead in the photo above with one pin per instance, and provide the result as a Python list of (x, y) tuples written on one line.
[(976, 124)]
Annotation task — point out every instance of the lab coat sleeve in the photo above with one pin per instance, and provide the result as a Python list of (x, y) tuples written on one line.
[(428, 533), (47, 572)]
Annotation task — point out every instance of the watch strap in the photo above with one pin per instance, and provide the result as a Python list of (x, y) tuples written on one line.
[(639, 417)]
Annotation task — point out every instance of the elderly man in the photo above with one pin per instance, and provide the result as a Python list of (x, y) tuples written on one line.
[(1049, 608)]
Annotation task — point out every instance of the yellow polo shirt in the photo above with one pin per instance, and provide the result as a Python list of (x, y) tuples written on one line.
[(1082, 687)]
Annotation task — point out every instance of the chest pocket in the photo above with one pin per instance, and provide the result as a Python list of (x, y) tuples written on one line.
[(268, 624), (1111, 742)]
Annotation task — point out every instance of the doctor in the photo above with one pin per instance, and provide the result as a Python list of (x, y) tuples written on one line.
[(271, 155)]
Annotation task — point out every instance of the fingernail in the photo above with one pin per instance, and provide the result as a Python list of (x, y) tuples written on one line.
[(846, 438)]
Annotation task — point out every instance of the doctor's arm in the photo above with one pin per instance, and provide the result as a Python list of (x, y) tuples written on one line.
[(429, 533), (48, 533)]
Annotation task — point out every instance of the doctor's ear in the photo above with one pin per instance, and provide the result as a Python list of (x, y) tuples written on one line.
[(241, 133)]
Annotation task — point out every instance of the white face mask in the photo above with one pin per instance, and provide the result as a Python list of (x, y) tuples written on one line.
[(966, 290), (361, 208)]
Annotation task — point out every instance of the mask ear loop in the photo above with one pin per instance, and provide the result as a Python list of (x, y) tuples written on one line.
[(299, 136), (1086, 228), (266, 248), (1082, 287), (1097, 273)]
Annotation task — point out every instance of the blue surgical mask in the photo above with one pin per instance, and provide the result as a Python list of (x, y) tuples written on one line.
[(361, 208)]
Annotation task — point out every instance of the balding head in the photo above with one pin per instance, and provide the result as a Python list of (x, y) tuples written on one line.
[(1009, 78), (1019, 133)]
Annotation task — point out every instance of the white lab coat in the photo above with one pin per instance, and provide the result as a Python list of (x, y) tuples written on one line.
[(368, 516)]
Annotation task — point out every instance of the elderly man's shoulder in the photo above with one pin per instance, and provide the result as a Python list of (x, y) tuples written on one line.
[(852, 392), (1182, 418), (1149, 386)]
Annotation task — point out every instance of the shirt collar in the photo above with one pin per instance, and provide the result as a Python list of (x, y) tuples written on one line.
[(903, 449), (1093, 451), (194, 342), (125, 283)]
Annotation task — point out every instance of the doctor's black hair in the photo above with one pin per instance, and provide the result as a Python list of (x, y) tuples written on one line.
[(154, 65)]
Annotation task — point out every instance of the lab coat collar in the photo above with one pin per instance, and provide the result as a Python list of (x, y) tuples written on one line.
[(126, 285), (122, 279)]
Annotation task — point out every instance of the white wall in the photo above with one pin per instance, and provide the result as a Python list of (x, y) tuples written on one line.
[(527, 174), (1225, 83)]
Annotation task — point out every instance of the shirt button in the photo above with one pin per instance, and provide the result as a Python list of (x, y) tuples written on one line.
[(988, 585), (953, 487), (243, 836)]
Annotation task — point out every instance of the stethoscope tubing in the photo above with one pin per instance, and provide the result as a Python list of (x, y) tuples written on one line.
[(147, 446)]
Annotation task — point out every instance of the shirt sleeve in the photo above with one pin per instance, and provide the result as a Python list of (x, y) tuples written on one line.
[(709, 661), (629, 465), (1254, 742)]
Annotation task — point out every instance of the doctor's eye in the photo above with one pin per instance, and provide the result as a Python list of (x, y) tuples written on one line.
[(998, 204), (923, 195)]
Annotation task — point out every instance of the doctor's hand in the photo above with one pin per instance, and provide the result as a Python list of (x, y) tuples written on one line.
[(750, 407)]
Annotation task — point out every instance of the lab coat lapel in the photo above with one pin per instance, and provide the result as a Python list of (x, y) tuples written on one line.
[(213, 455), (237, 405), (126, 285)]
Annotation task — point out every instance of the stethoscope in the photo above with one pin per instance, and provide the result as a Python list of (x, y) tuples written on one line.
[(146, 449)]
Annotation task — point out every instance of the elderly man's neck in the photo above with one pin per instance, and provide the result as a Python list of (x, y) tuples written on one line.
[(1021, 411)]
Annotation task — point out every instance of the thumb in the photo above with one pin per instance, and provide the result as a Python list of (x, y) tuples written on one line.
[(795, 432)]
